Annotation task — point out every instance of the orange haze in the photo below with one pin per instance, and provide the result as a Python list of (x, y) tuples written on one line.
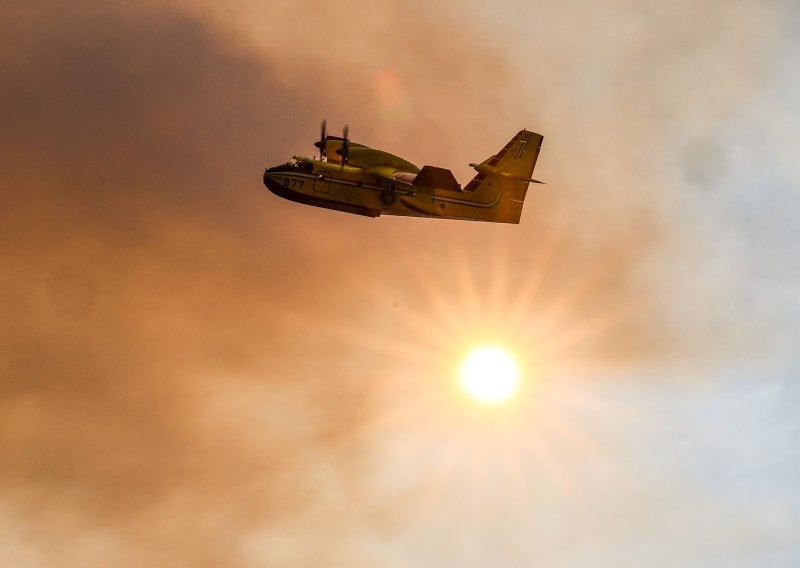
[(189, 366)]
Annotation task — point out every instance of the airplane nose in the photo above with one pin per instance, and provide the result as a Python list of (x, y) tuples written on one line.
[(270, 182)]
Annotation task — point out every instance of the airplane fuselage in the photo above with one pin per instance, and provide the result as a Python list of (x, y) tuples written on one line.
[(349, 189), (334, 186)]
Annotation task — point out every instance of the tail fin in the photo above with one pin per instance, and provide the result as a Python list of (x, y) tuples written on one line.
[(509, 172)]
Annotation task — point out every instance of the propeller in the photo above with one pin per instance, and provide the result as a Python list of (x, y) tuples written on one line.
[(322, 138), (345, 146)]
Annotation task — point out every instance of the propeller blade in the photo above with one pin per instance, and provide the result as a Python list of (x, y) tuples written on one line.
[(345, 145), (323, 137)]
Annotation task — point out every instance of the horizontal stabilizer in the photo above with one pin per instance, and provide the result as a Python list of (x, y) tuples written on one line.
[(491, 170)]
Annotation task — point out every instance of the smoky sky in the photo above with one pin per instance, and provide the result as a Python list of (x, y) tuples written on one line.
[(175, 384), (137, 283)]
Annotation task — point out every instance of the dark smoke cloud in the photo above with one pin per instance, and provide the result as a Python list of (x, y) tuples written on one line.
[(140, 302)]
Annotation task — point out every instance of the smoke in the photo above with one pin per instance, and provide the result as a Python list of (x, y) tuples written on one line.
[(156, 406), (183, 371)]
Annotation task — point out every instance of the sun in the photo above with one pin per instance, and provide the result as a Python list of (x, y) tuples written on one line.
[(489, 374)]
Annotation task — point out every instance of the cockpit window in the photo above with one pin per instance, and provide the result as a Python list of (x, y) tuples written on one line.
[(300, 165), (294, 165)]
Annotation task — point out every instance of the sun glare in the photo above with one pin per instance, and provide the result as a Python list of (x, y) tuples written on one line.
[(489, 375)]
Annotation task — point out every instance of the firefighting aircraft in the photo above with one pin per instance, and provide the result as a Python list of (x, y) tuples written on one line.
[(354, 178)]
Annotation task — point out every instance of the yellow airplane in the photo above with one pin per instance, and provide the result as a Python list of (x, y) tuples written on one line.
[(357, 179)]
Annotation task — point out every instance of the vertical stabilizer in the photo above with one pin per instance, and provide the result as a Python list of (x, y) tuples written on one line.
[(503, 178)]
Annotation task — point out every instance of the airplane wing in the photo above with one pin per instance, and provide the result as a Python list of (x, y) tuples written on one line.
[(379, 161), (393, 174), (387, 172)]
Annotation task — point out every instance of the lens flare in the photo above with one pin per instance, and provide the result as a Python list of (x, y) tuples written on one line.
[(489, 375)]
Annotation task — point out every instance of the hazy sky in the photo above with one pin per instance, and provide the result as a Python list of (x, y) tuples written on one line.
[(196, 372)]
